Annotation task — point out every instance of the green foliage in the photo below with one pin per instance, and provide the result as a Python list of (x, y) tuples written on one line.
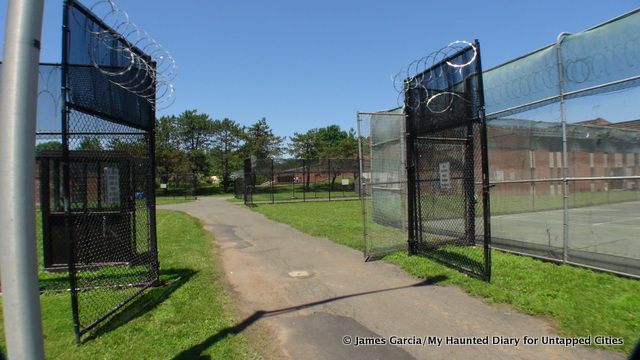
[(193, 142), (48, 146), (305, 145), (194, 130), (226, 138), (260, 141), (329, 142), (136, 147), (90, 143)]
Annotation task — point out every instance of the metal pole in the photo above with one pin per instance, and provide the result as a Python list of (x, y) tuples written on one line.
[(273, 194), (151, 205), (66, 174), (565, 155), (361, 193), (304, 182), (486, 186), (18, 97)]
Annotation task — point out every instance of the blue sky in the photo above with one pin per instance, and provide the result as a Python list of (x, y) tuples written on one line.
[(305, 64)]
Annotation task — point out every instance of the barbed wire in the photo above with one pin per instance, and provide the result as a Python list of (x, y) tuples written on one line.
[(588, 59), (423, 74), (142, 66)]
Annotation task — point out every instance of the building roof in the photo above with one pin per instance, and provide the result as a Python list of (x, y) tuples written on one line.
[(633, 124)]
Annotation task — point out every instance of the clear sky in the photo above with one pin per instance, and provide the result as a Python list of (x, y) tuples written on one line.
[(310, 63)]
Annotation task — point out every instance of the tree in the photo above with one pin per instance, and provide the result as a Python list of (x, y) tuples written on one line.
[(193, 134), (170, 156), (305, 146), (330, 138), (348, 146), (337, 144), (90, 143), (262, 142), (226, 139), (48, 146), (135, 147), (193, 130)]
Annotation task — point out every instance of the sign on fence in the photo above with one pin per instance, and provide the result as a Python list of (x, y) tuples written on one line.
[(445, 175)]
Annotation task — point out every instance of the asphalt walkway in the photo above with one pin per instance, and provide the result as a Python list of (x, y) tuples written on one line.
[(314, 295)]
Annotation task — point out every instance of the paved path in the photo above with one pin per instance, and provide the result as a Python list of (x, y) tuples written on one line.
[(340, 295)]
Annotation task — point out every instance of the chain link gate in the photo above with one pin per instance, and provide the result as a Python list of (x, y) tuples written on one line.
[(448, 183), (105, 231)]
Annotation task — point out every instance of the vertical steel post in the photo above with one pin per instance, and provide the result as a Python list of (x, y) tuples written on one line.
[(411, 173), (565, 154), (304, 183), (66, 176), (329, 177), (151, 195), (293, 185), (18, 98), (361, 192), (273, 190), (486, 186)]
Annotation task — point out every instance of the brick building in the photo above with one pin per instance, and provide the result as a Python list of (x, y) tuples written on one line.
[(532, 150)]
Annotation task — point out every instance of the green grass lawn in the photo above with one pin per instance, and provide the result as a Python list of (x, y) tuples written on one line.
[(180, 319), (168, 200), (580, 301)]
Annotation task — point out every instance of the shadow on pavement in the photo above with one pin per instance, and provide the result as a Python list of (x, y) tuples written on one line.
[(195, 352)]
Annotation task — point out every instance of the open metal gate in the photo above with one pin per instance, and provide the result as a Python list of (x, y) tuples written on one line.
[(447, 166), (103, 224)]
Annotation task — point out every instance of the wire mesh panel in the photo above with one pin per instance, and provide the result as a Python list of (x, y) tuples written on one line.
[(564, 149), (286, 179), (382, 182), (299, 180), (178, 185), (317, 179), (446, 154), (105, 233), (238, 187), (187, 185), (342, 177)]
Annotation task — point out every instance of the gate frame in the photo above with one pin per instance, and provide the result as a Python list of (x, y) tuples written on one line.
[(149, 135), (411, 161)]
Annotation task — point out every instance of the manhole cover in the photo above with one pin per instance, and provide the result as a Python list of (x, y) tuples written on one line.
[(299, 274)]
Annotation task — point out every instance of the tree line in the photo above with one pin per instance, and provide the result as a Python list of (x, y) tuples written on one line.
[(195, 142)]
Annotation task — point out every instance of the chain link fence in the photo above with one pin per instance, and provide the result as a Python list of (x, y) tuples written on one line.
[(183, 185), (383, 182), (563, 131), (564, 153), (298, 180)]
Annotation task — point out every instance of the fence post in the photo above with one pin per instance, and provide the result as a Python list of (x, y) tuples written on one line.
[(304, 184), (565, 155), (329, 177), (361, 192), (19, 88)]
